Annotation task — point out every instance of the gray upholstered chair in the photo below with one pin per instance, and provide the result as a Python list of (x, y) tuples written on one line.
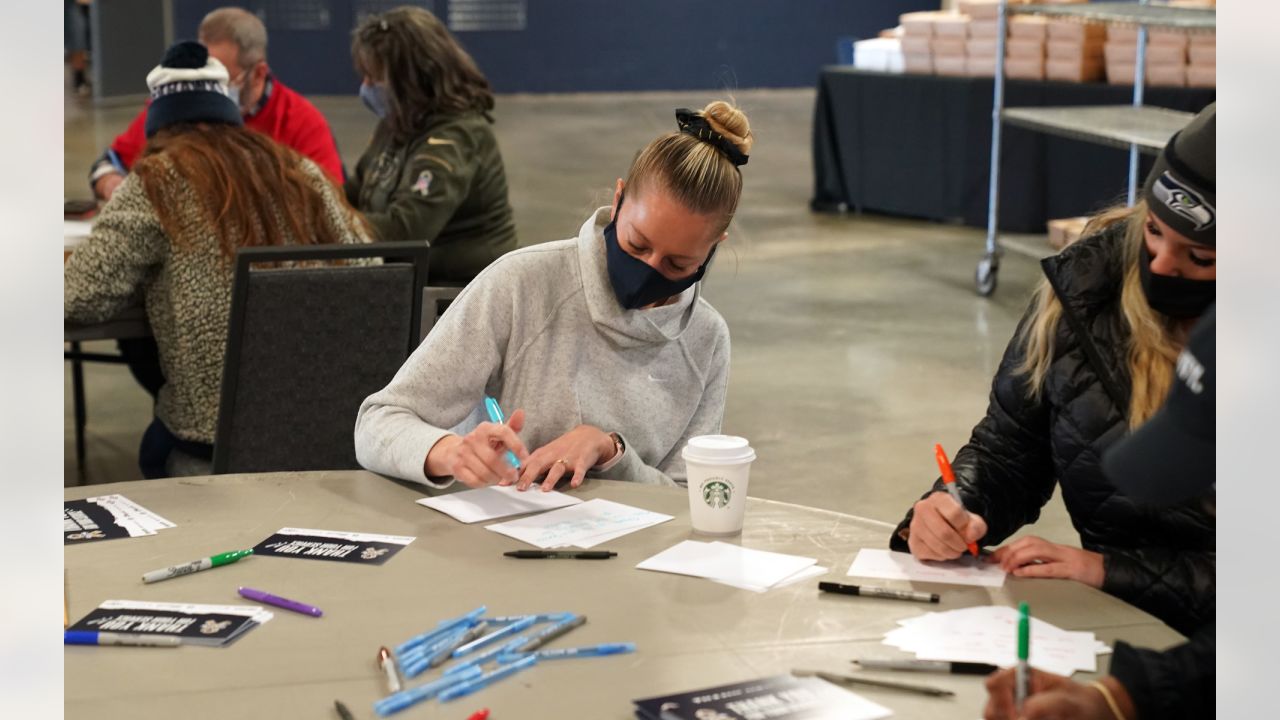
[(306, 344)]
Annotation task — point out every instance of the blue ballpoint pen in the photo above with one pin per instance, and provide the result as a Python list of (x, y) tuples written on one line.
[(427, 648), (486, 656), (540, 618), (419, 659), (587, 651), (463, 689), (407, 698), (444, 627), (514, 628), (495, 415)]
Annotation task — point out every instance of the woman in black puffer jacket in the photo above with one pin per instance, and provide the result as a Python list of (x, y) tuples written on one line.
[(1092, 359)]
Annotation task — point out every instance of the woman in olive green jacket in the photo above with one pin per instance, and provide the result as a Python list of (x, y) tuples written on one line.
[(433, 171)]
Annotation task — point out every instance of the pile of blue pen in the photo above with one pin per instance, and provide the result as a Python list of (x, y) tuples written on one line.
[(458, 638)]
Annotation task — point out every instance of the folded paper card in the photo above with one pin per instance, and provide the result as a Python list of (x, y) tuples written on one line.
[(888, 565), (728, 564), (585, 525), (495, 501)]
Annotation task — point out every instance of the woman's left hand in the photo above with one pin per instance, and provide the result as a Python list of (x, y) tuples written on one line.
[(577, 451), (1036, 557)]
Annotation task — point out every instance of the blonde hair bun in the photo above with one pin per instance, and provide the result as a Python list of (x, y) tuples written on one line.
[(730, 122)]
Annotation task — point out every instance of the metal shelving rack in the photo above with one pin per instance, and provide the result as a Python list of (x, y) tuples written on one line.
[(1137, 127)]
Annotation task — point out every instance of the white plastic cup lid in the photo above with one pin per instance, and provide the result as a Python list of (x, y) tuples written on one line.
[(718, 449)]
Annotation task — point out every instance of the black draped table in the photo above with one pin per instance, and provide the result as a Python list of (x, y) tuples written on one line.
[(920, 145)]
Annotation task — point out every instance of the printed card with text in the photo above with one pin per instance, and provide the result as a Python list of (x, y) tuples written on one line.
[(351, 547), (195, 624)]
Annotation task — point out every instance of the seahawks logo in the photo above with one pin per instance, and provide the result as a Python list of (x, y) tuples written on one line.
[(1184, 201), (371, 553), (716, 493), (213, 627)]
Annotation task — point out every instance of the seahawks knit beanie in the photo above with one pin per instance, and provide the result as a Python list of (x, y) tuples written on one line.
[(188, 86), (1182, 187)]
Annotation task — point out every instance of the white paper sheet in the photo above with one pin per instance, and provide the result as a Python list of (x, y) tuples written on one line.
[(728, 564), (888, 565), (988, 634), (489, 503), (808, 573), (584, 525)]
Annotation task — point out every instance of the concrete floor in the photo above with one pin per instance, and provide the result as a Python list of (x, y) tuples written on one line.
[(858, 341)]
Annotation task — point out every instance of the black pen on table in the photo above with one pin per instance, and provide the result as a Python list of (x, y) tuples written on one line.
[(561, 554), (886, 593), (837, 679), (928, 666), (343, 712)]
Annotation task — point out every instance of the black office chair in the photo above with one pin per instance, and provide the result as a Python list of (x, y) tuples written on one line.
[(306, 345)]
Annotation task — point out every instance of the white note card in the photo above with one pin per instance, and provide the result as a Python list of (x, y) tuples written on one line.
[(585, 525), (889, 565), (495, 501), (755, 570)]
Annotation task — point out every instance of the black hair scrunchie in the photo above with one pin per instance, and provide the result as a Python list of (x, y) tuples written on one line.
[(691, 123)]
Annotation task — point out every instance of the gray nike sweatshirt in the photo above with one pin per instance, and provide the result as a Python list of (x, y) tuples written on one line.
[(540, 329)]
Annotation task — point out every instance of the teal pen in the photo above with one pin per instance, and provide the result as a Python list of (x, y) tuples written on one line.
[(587, 651), (464, 689), (495, 415)]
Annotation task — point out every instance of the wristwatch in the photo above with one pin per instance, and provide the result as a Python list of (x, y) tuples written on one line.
[(618, 446)]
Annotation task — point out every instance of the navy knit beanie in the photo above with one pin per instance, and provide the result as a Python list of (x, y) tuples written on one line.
[(1182, 189), (189, 86)]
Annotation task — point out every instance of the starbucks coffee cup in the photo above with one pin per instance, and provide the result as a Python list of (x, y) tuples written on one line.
[(717, 467)]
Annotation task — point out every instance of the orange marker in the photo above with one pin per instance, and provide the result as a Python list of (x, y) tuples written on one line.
[(949, 480)]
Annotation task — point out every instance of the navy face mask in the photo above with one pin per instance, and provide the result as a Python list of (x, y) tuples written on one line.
[(375, 98), (636, 284), (1176, 297)]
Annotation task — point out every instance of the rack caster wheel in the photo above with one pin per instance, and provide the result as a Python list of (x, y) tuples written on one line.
[(984, 279)]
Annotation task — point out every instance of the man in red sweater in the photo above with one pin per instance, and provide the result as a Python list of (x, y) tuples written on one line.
[(238, 39)]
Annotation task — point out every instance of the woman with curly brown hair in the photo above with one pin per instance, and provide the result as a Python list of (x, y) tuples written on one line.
[(433, 170)]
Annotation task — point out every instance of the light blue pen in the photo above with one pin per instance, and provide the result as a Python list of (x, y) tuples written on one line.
[(463, 689), (408, 698), (429, 648), (417, 662), (587, 651), (441, 629), (514, 628), (495, 415), (486, 656), (544, 617)]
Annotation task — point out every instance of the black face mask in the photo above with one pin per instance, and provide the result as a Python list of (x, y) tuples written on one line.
[(636, 284), (1174, 296)]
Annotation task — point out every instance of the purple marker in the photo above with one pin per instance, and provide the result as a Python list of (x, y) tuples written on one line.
[(278, 601)]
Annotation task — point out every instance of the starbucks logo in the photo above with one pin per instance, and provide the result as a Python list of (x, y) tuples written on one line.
[(717, 492)]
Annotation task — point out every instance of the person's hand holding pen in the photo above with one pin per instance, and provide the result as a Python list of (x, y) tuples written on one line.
[(941, 529), (479, 458), (1057, 697), (575, 452)]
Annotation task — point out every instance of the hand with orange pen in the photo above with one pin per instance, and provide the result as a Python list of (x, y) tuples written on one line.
[(941, 528)]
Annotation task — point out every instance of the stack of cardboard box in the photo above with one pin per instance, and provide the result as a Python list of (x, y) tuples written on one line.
[(917, 41), (1202, 70), (984, 29), (950, 44), (1024, 50), (1166, 56), (1075, 51)]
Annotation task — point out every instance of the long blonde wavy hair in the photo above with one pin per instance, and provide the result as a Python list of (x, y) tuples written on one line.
[(1154, 339)]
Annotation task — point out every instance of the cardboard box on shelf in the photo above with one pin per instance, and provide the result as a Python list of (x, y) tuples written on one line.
[(1030, 27), (1078, 31), (1069, 50), (1120, 73), (917, 44), (981, 47), (1158, 36), (917, 63), (1203, 54), (1024, 68), (952, 25), (984, 28), (950, 65), (1167, 75), (1088, 70), (948, 46), (918, 23), (1202, 76), (980, 66), (1202, 39), (1024, 48), (1064, 231), (1156, 54), (980, 9)]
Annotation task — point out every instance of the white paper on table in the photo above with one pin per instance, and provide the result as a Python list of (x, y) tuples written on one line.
[(888, 565), (496, 501), (75, 232), (584, 525), (734, 565), (127, 511), (807, 574)]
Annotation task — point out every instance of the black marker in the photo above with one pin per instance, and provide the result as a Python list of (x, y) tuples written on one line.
[(876, 592), (868, 682), (930, 666), (561, 554)]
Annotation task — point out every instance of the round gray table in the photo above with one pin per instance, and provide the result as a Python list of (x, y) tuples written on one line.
[(691, 633)]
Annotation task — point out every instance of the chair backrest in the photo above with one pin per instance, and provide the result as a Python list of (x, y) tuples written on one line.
[(306, 344)]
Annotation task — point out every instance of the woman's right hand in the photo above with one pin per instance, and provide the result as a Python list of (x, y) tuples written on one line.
[(479, 458), (941, 529)]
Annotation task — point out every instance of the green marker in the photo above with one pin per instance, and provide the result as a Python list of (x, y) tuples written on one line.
[(195, 566), (1022, 688)]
